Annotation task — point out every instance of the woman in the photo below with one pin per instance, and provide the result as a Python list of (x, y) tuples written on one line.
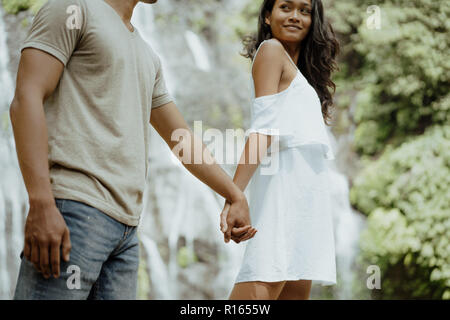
[(293, 57)]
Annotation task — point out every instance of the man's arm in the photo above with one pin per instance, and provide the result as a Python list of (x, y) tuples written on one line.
[(166, 119), (45, 229)]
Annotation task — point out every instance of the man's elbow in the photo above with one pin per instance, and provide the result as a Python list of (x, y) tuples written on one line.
[(21, 99), (13, 108)]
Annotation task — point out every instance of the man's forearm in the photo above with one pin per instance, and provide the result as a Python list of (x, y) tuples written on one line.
[(30, 134), (172, 127), (210, 173)]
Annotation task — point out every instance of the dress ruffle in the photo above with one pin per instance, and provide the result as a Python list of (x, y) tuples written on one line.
[(293, 116)]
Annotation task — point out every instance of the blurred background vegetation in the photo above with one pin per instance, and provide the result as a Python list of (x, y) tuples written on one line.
[(14, 6), (393, 92)]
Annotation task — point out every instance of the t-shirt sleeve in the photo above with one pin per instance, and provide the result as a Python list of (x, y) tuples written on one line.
[(57, 28), (160, 94)]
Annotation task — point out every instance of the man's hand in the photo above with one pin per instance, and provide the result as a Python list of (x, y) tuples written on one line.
[(235, 222), (45, 232)]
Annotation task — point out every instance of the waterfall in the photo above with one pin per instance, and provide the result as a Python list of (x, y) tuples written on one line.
[(13, 197), (198, 51), (347, 225), (159, 276)]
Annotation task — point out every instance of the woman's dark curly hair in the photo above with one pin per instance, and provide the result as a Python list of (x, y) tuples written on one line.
[(317, 55)]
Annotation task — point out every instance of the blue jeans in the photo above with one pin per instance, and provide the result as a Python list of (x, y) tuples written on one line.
[(103, 263)]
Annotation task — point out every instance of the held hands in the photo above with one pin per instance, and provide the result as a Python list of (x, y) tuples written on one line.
[(235, 222)]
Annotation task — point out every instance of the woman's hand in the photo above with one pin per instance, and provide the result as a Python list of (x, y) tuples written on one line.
[(237, 234)]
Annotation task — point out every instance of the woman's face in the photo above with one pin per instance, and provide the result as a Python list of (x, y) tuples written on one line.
[(290, 20)]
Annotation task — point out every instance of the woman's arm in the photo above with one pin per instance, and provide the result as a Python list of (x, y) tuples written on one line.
[(254, 151), (267, 72)]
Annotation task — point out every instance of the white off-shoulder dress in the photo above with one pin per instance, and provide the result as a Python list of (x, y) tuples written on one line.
[(289, 195)]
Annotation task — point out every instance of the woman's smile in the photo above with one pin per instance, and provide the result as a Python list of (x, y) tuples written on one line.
[(293, 28)]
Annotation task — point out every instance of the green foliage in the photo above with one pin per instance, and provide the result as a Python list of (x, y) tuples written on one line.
[(402, 69), (24, 23), (186, 256), (402, 75), (246, 23), (143, 283), (14, 6), (36, 5), (370, 134), (201, 13), (420, 166), (405, 193), (4, 121)]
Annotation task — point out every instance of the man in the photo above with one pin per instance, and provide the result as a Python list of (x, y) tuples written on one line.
[(87, 85)]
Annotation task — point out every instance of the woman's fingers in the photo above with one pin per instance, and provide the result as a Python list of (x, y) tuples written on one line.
[(249, 234), (223, 222), (223, 217), (246, 236), (238, 232), (235, 239)]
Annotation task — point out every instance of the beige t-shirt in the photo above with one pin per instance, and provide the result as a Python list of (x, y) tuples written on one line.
[(98, 116)]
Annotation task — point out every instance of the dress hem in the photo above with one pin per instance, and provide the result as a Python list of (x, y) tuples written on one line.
[(317, 280)]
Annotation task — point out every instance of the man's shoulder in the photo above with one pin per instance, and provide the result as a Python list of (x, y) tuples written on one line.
[(58, 9), (65, 3), (154, 55)]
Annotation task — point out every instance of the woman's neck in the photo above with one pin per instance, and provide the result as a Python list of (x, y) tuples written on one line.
[(293, 49)]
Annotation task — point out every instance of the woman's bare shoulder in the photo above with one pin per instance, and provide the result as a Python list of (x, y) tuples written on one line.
[(270, 53), (274, 43)]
